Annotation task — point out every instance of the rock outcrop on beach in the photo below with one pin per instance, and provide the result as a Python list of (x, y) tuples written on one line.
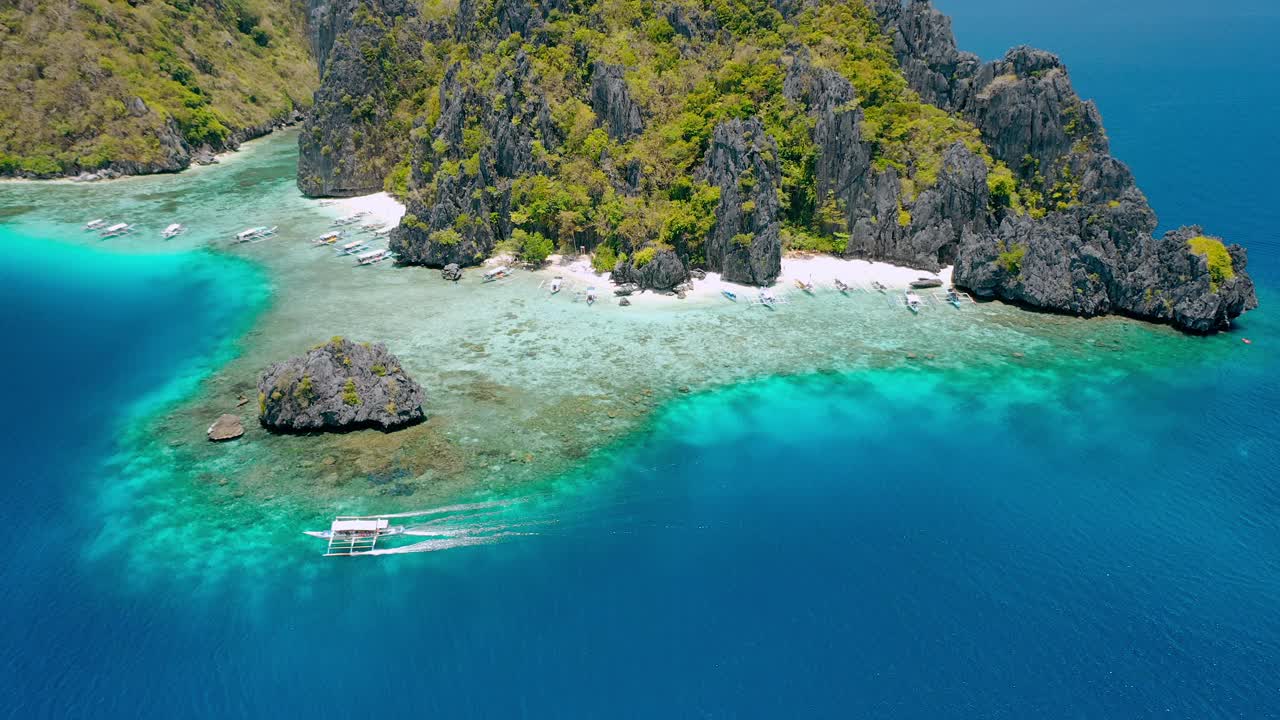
[(340, 385), (715, 143)]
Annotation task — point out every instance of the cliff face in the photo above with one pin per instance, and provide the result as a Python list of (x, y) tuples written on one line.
[(1085, 244), (143, 87), (672, 136)]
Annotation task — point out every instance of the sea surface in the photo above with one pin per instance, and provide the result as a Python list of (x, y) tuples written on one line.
[(1092, 531)]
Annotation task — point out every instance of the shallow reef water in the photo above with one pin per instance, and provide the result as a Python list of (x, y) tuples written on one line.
[(687, 508)]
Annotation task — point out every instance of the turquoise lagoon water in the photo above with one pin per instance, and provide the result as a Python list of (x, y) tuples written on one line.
[(1091, 531)]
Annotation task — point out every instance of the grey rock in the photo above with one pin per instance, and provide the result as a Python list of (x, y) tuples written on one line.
[(226, 427), (340, 385), (624, 303), (664, 272), (745, 245), (451, 272), (611, 101)]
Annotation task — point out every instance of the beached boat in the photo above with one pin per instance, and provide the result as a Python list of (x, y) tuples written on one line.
[(842, 287), (173, 231), (497, 273), (373, 257), (953, 297), (768, 299), (913, 301), (373, 226), (329, 238), (556, 283), (117, 230), (926, 283), (730, 295), (351, 535), (879, 286), (95, 224), (380, 232), (347, 220), (804, 286), (591, 296), (254, 234)]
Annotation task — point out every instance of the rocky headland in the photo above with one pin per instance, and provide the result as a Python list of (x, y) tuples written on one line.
[(340, 385), (714, 142)]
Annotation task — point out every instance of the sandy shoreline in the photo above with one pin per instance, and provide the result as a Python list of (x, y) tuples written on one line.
[(821, 270)]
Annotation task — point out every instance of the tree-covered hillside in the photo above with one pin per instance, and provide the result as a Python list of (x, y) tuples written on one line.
[(138, 85)]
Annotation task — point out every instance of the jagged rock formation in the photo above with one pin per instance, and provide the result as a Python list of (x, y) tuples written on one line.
[(1086, 245), (612, 103), (340, 385), (742, 162), (665, 272), (531, 126)]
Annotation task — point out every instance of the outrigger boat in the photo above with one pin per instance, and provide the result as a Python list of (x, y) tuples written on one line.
[(386, 230), (497, 273), (591, 296), (842, 287), (373, 226), (351, 535), (768, 299), (328, 238), (373, 256), (953, 297), (117, 230), (879, 286), (349, 219), (730, 295), (255, 234), (95, 224), (804, 286), (556, 284), (173, 231), (913, 301), (353, 247)]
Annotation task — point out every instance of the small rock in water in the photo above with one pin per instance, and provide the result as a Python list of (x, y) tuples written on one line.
[(451, 272), (226, 427), (1019, 355), (911, 356), (624, 303), (242, 401), (329, 460), (683, 388)]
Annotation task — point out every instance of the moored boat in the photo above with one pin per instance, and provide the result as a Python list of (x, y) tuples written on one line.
[(254, 234), (117, 230), (591, 296), (95, 224), (913, 301), (842, 287), (173, 231), (328, 238), (497, 273), (353, 247), (556, 284), (879, 286), (373, 256), (804, 286), (730, 295)]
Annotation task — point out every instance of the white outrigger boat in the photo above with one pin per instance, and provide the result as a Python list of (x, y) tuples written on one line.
[(556, 284), (351, 219), (117, 230), (806, 287), (497, 273), (353, 247), (842, 287), (767, 299), (351, 535), (913, 301), (255, 234), (383, 231), (591, 296), (173, 231), (328, 238), (95, 224), (373, 257)]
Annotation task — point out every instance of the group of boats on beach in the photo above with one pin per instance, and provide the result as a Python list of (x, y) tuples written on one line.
[(911, 297)]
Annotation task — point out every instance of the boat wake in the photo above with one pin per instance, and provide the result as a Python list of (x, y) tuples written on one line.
[(461, 525)]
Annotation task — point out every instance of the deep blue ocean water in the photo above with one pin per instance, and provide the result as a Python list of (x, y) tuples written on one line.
[(985, 542)]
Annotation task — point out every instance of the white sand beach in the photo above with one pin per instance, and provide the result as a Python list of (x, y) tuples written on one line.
[(820, 270)]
